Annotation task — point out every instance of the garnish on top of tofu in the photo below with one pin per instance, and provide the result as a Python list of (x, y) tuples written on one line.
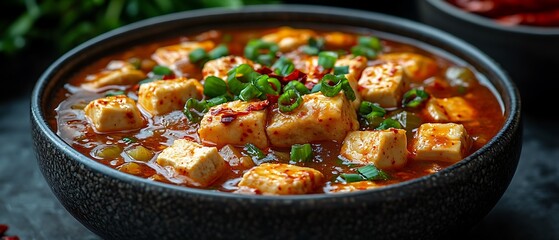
[(278, 111)]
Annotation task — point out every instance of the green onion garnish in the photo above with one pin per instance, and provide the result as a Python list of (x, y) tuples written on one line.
[(314, 46), (414, 97), (408, 120), (341, 70), (129, 140), (348, 91), (261, 51), (370, 110), (289, 100), (254, 151), (327, 59), (239, 77), (216, 101), (363, 51), (220, 51), (267, 85), (249, 92), (283, 66), (194, 109), (331, 85), (298, 86), (214, 86), (352, 177), (316, 88), (372, 173), (301, 152), (115, 93), (161, 70), (198, 56), (370, 42), (389, 123)]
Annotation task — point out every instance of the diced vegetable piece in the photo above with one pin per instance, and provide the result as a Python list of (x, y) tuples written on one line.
[(140, 153), (301, 153), (109, 152)]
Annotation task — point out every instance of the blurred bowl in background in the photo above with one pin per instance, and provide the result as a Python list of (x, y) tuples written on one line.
[(527, 53)]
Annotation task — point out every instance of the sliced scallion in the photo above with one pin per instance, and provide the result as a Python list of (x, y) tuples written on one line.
[(331, 85), (327, 59), (341, 70), (261, 51), (216, 101), (267, 85), (372, 173), (194, 109), (214, 86), (352, 177), (161, 70), (220, 51), (370, 42), (389, 123), (198, 56), (254, 151), (301, 152), (115, 93), (414, 97), (249, 92), (283, 66), (289, 100), (298, 86)]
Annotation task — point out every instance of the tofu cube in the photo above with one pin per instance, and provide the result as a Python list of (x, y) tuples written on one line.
[(318, 118), (164, 96), (219, 67), (453, 109), (386, 149), (288, 38), (176, 56), (202, 165), (383, 84), (339, 39), (235, 123), (116, 73), (282, 179), (447, 142), (416, 66), (352, 187), (114, 113)]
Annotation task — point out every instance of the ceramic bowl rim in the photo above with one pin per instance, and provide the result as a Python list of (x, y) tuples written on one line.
[(509, 90), (455, 12)]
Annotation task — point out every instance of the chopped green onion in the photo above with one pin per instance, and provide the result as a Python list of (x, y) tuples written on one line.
[(370, 42), (239, 77), (254, 151), (194, 109), (301, 152), (198, 56), (249, 92), (331, 90), (316, 88), (220, 51), (369, 110), (314, 46), (161, 70), (327, 59), (115, 93), (262, 83), (370, 172), (261, 51), (348, 91), (298, 86), (414, 97), (352, 177), (129, 140), (289, 100), (136, 62), (214, 86), (389, 123), (147, 80), (341, 70), (283, 66), (216, 101), (408, 120), (363, 51)]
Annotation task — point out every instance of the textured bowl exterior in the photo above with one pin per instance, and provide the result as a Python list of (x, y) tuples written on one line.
[(525, 53), (116, 205)]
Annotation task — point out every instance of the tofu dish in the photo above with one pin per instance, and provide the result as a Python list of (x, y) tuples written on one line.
[(277, 111)]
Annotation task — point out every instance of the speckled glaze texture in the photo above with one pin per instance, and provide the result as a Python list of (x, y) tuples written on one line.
[(115, 205)]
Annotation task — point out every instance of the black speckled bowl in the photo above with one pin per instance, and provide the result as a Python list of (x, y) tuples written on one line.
[(116, 205), (528, 54)]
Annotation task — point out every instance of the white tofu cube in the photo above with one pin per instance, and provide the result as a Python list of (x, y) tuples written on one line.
[(339, 39), (288, 38), (351, 187), (117, 73), (416, 66), (202, 165), (386, 149), (220, 66), (447, 142), (383, 84), (282, 179), (114, 113), (453, 109), (235, 123), (164, 96), (318, 118)]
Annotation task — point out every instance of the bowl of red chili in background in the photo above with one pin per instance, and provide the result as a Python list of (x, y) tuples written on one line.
[(520, 35), (117, 205)]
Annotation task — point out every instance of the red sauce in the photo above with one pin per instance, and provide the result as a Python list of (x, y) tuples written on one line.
[(160, 131)]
